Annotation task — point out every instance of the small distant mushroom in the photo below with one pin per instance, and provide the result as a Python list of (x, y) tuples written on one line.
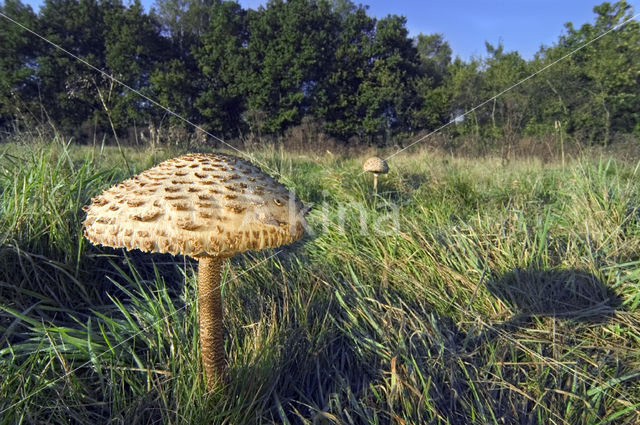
[(376, 166), (206, 206)]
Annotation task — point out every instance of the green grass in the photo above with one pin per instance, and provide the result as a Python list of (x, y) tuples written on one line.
[(465, 292)]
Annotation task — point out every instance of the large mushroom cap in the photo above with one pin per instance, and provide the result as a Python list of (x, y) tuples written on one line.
[(376, 165), (196, 205)]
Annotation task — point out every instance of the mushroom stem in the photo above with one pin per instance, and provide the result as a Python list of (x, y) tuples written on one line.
[(210, 312), (375, 182)]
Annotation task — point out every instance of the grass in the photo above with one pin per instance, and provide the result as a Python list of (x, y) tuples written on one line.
[(465, 292)]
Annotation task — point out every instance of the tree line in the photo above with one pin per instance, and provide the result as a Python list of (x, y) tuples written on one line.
[(359, 79)]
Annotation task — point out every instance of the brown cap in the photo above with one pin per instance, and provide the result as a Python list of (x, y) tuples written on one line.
[(196, 205), (376, 165)]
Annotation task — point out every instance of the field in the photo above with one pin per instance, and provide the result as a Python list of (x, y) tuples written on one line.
[(466, 291)]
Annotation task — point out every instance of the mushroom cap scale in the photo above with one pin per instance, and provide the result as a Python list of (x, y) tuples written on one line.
[(376, 165), (196, 205)]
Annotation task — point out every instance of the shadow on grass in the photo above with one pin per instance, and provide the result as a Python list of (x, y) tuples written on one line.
[(428, 366), (567, 294), (103, 265)]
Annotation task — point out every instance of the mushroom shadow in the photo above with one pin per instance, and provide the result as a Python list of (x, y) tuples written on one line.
[(566, 293)]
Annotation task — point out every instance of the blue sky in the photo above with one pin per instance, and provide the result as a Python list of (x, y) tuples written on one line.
[(522, 25)]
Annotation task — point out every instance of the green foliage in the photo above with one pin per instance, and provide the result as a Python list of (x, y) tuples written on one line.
[(222, 59), (435, 63), (17, 54), (338, 106), (610, 69), (172, 86), (592, 92), (290, 47), (359, 79), (177, 81), (505, 116), (183, 22), (387, 93), (132, 45), (67, 88)]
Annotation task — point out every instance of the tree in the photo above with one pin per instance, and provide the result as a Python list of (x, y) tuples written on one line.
[(610, 70), (505, 114), (222, 59), (177, 80), (132, 47), (594, 91), (175, 84), (184, 22), (387, 93), (66, 88), (340, 108), (464, 90), (18, 50), (290, 47), (435, 59)]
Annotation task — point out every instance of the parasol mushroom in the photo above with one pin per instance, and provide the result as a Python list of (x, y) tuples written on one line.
[(376, 166), (206, 206)]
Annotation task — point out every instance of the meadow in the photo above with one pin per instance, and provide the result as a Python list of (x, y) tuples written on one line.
[(466, 291)]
